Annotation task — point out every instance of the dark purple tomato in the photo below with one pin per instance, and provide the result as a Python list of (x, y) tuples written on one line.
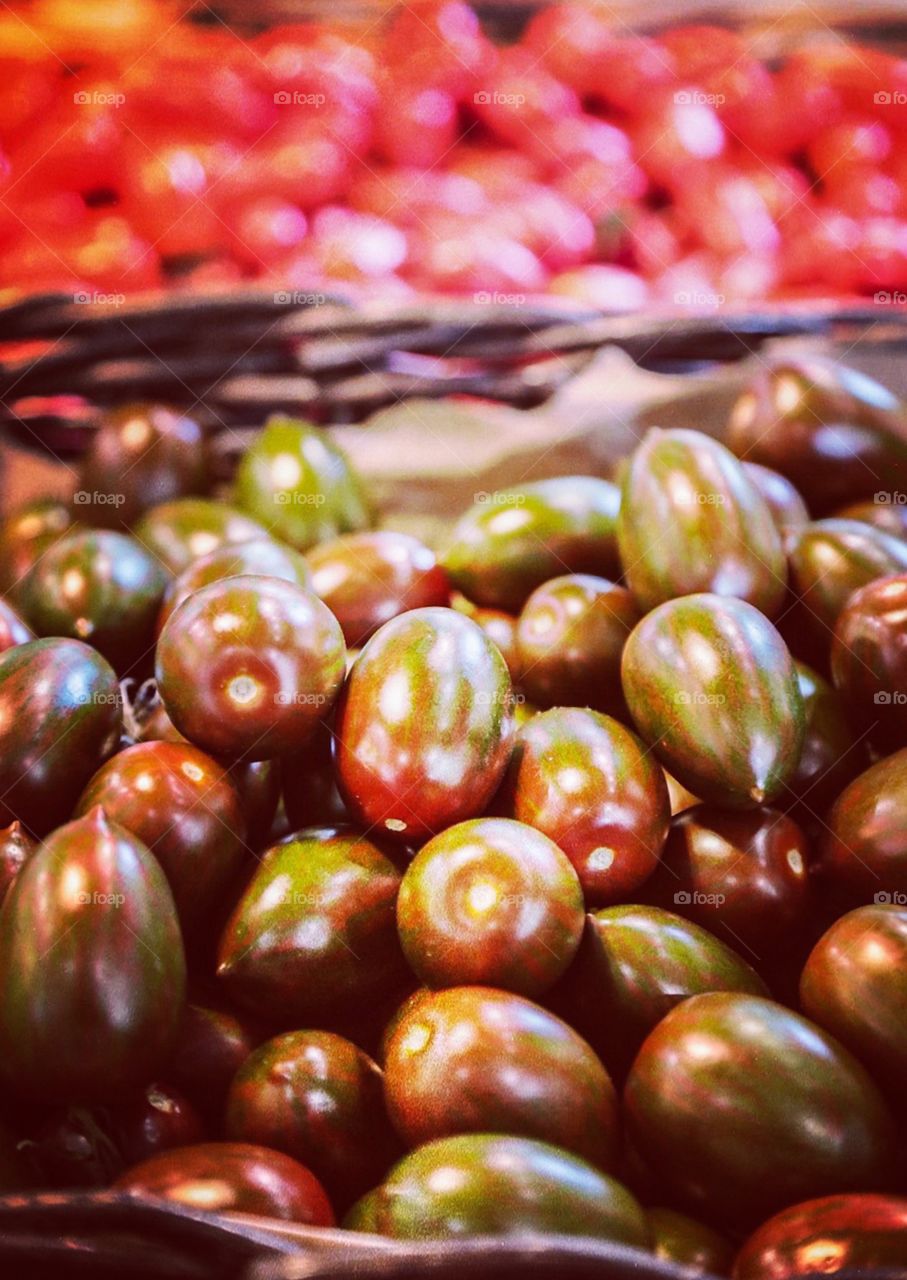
[(184, 807), (744, 1107), (477, 1060), (490, 902), (744, 876), (315, 931), (16, 847), (833, 1235), (869, 661), (863, 848), (712, 689), (247, 666), (156, 1118), (210, 1047), (831, 559), (495, 1185), (140, 456), (60, 717), (589, 784), (181, 531), (569, 639), (854, 985), (425, 725), (685, 1242), (310, 794), (512, 541), (91, 966), (13, 630), (233, 1177), (320, 1099), (831, 430), (635, 963), (501, 628), (831, 755), (788, 509), (101, 587), (259, 556), (691, 520), (258, 785), (365, 579), (25, 534)]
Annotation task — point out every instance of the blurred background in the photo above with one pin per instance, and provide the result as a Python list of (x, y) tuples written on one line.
[(665, 156)]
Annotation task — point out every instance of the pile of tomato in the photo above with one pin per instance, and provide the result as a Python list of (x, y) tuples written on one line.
[(415, 153)]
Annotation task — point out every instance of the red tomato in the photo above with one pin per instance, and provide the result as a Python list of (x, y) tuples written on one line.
[(627, 70), (464, 257), (598, 189), (558, 232), (264, 229), (820, 246), (679, 137), (304, 167), (852, 142), (403, 195), (520, 96), (416, 125), (353, 245), (699, 49), (572, 41), (610, 288), (446, 38)]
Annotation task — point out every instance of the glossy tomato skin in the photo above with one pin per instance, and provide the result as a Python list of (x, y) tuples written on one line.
[(184, 807), (319, 1098), (155, 1118), (13, 628), (827, 1130), (366, 579), (679, 1239), (854, 985), (62, 716), (309, 780), (490, 902), (247, 666), (830, 430), (869, 660), (831, 559), (634, 965), (788, 509), (509, 544), (92, 963), (180, 531), (25, 534), (569, 639), (691, 520), (492, 1184), (209, 1048), (233, 1177), (300, 485), (263, 556), (829, 1235), (744, 876), (612, 820), (16, 847), (102, 587), (140, 456), (863, 849), (831, 755), (425, 725), (890, 517), (478, 1060), (315, 931), (712, 688)]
